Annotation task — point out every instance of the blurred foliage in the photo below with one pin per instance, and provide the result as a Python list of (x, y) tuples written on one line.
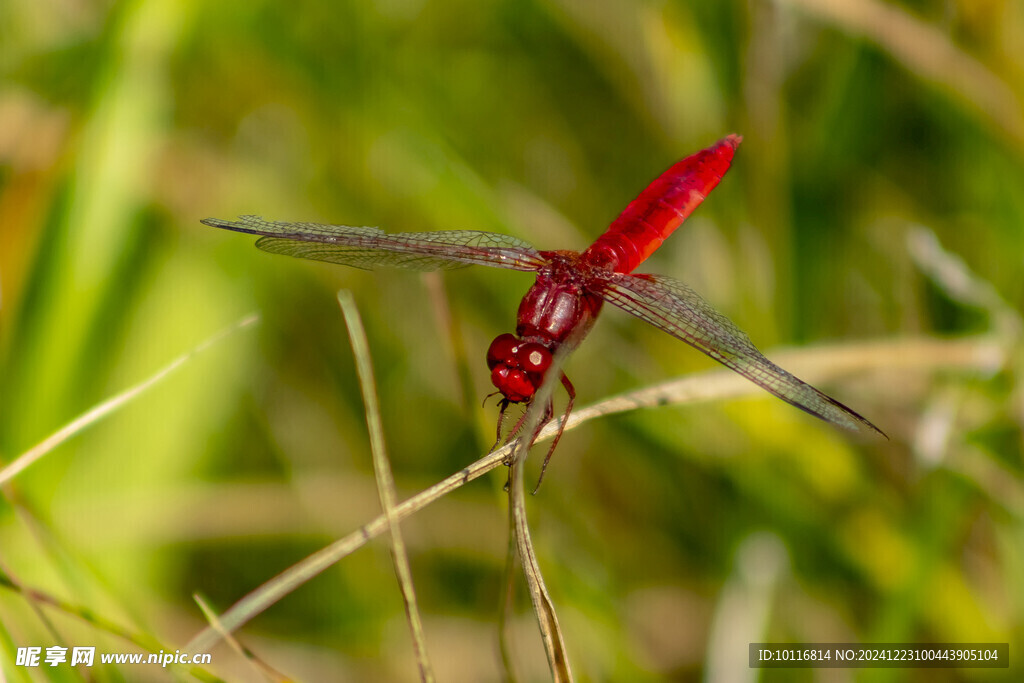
[(670, 538)]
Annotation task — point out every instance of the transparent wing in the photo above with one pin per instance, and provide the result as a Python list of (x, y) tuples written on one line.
[(369, 248), (672, 306)]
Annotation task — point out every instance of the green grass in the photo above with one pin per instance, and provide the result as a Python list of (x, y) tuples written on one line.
[(119, 130)]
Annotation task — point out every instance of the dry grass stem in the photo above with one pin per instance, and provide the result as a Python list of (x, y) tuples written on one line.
[(543, 607), (972, 354), (264, 669), (385, 479)]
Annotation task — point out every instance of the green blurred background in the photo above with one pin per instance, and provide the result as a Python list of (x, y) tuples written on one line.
[(670, 538)]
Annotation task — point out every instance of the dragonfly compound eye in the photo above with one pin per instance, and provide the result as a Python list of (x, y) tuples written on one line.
[(502, 351), (533, 358), (515, 385)]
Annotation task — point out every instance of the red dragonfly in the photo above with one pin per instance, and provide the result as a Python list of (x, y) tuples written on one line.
[(563, 303)]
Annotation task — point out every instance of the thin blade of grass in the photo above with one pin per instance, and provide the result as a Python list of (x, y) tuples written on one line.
[(143, 640), (269, 672), (543, 607), (105, 408), (505, 609), (979, 353), (454, 344), (385, 479)]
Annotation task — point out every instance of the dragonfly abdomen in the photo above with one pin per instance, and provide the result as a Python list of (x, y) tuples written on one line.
[(661, 208)]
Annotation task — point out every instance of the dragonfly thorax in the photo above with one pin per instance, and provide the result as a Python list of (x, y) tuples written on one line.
[(558, 306), (517, 366), (557, 310)]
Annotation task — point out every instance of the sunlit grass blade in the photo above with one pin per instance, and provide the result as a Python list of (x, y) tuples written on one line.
[(113, 403), (385, 479), (98, 193)]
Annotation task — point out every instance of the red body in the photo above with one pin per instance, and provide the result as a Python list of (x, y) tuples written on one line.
[(561, 306), (563, 302), (661, 208)]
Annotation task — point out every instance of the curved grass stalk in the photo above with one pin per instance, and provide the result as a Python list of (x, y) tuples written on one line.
[(981, 352), (543, 607), (101, 410)]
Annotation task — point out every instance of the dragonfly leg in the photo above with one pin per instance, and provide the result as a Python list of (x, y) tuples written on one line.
[(571, 390), (516, 428), (502, 407), (548, 412)]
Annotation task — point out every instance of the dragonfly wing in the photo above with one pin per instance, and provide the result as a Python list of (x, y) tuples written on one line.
[(672, 306), (369, 248)]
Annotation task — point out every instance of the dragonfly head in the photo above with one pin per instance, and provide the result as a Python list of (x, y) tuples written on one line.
[(517, 366)]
